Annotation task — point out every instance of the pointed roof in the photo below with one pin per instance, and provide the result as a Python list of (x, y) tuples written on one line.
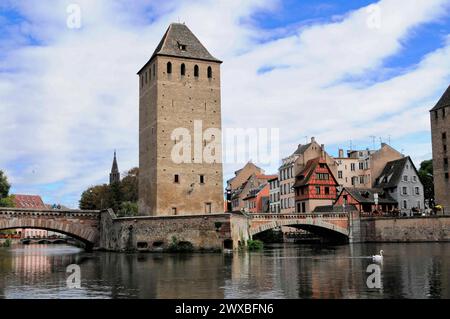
[(305, 175), (179, 41), (115, 167), (392, 173), (444, 101), (367, 195)]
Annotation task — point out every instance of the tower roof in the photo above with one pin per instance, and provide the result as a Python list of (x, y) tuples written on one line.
[(179, 41), (444, 101), (115, 168)]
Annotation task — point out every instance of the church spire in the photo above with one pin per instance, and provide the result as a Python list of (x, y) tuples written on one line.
[(114, 176)]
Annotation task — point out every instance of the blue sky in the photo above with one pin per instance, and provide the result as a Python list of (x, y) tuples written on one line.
[(338, 70)]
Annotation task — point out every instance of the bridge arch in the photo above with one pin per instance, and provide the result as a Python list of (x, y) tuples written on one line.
[(327, 229), (82, 226)]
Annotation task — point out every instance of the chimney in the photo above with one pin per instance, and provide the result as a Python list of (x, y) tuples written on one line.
[(341, 153), (313, 139), (322, 149)]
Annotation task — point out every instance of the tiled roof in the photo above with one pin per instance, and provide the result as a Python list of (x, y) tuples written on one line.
[(28, 201), (392, 173), (179, 41), (366, 195), (444, 101)]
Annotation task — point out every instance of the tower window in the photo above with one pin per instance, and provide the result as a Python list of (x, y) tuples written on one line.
[(202, 179), (208, 208), (154, 70), (176, 178), (169, 68), (183, 69), (196, 71), (209, 72), (444, 135), (174, 210)]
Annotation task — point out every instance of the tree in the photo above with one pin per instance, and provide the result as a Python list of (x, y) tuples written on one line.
[(4, 185), (122, 196), (129, 185), (426, 177)]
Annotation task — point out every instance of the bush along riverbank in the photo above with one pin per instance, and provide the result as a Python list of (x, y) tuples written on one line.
[(7, 243), (255, 245), (178, 246)]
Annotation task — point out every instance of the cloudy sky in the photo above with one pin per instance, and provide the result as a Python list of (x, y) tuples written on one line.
[(341, 71)]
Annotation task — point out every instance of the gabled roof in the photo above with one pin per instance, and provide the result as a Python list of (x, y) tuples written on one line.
[(302, 148), (444, 101), (28, 201), (366, 195), (392, 173), (179, 41), (309, 170)]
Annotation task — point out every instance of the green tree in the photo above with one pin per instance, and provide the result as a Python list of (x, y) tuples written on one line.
[(426, 177), (129, 185), (4, 185), (96, 197), (122, 197)]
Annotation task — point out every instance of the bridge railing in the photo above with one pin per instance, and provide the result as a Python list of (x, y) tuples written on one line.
[(8, 211), (298, 216)]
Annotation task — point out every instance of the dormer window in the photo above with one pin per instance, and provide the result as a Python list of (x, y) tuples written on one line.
[(182, 47)]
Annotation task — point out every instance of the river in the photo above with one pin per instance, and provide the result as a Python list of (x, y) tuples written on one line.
[(279, 271)]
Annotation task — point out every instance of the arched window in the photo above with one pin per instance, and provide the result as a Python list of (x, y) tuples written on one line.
[(183, 69), (169, 68), (196, 71), (209, 72)]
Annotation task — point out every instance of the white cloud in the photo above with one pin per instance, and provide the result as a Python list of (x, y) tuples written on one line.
[(72, 100)]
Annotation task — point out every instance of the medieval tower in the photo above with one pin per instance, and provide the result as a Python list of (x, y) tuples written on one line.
[(179, 90)]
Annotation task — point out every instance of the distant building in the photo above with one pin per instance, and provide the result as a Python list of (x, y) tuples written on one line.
[(401, 180), (257, 200), (114, 176), (29, 201), (440, 135), (315, 186), (364, 199), (360, 168), (253, 182), (293, 165), (274, 195)]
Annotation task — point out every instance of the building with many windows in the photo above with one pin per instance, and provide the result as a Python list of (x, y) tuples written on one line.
[(274, 195), (360, 168), (401, 180)]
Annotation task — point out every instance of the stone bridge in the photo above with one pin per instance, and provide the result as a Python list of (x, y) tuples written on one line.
[(78, 224)]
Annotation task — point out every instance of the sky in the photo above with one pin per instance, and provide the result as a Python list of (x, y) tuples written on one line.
[(350, 73)]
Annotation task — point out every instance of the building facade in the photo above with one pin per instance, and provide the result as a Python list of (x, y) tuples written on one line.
[(274, 195), (440, 136), (257, 201), (366, 200), (254, 181), (401, 180), (180, 158), (293, 165), (315, 186), (361, 167)]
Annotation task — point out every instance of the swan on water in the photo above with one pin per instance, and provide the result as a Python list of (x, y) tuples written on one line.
[(378, 258)]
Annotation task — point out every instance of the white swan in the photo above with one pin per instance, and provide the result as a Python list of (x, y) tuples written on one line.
[(378, 258)]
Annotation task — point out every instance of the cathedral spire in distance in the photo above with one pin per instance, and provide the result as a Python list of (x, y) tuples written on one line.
[(114, 176)]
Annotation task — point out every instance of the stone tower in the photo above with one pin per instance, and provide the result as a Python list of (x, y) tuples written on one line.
[(114, 176), (179, 90), (440, 136)]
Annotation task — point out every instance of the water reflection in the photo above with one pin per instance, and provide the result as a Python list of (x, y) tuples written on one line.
[(280, 271)]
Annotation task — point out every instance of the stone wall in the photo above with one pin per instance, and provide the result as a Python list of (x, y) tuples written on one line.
[(151, 233), (411, 229)]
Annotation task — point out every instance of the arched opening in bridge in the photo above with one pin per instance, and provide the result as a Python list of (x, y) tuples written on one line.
[(35, 235), (307, 234)]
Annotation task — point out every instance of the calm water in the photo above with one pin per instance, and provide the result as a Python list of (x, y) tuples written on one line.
[(280, 271)]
